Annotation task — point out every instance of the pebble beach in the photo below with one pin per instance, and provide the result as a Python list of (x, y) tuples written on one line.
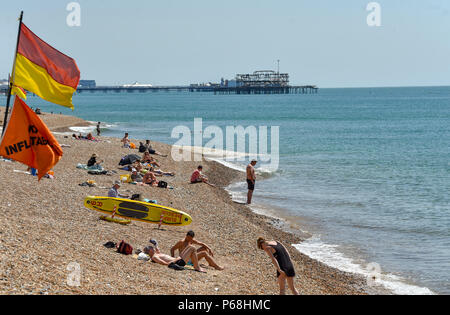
[(45, 229)]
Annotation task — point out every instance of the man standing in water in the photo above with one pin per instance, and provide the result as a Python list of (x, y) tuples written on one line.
[(251, 179), (98, 129)]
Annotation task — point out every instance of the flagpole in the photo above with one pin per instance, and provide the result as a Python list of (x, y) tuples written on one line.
[(11, 78)]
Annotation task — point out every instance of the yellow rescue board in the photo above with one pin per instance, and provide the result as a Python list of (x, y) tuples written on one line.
[(138, 210)]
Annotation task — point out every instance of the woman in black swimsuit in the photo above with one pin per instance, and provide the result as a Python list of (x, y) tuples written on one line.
[(282, 261)]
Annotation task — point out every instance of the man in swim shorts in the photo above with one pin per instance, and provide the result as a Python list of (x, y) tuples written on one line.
[(202, 252), (251, 180)]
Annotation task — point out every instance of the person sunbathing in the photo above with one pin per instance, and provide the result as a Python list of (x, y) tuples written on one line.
[(189, 253), (160, 173), (204, 251), (150, 179), (147, 158), (138, 166)]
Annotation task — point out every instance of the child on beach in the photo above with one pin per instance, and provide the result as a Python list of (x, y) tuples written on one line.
[(282, 262)]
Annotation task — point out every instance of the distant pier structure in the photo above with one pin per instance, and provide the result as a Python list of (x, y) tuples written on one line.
[(262, 82), (259, 82)]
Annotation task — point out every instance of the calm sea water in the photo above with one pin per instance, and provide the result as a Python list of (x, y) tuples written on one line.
[(365, 171)]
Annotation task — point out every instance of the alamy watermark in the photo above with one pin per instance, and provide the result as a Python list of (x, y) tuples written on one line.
[(74, 17), (374, 17), (241, 143), (74, 277)]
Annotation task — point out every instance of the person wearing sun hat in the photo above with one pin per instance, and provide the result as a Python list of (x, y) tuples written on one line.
[(114, 191)]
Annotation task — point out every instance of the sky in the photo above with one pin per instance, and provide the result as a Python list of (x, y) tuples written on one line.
[(327, 43)]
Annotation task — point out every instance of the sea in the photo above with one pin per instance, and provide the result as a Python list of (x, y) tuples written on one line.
[(363, 172)]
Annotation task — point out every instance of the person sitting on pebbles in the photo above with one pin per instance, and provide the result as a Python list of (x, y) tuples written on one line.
[(93, 162), (150, 179), (150, 150), (189, 253), (126, 141), (114, 191), (135, 176), (147, 158), (198, 177), (204, 251)]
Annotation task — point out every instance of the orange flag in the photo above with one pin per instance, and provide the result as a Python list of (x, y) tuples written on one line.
[(28, 140)]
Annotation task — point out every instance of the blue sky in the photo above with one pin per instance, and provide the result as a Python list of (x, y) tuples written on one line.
[(323, 42)]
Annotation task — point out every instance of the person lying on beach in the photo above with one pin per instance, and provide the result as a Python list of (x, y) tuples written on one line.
[(198, 177), (204, 251), (161, 173), (126, 142), (93, 161), (189, 253), (76, 137), (114, 191), (282, 261)]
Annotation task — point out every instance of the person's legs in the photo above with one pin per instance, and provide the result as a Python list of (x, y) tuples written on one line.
[(249, 196), (209, 259), (191, 253), (290, 281), (282, 283)]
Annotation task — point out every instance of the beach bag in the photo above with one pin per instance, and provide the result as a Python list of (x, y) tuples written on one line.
[(136, 197), (125, 248), (162, 184)]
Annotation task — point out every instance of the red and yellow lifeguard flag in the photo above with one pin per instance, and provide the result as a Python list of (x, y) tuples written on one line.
[(44, 71), (28, 140)]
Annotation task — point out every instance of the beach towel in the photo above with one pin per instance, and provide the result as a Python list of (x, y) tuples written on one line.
[(90, 168)]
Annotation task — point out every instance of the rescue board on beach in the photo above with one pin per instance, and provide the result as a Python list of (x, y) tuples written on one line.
[(138, 210)]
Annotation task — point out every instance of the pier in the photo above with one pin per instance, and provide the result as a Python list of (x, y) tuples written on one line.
[(258, 82), (307, 89)]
